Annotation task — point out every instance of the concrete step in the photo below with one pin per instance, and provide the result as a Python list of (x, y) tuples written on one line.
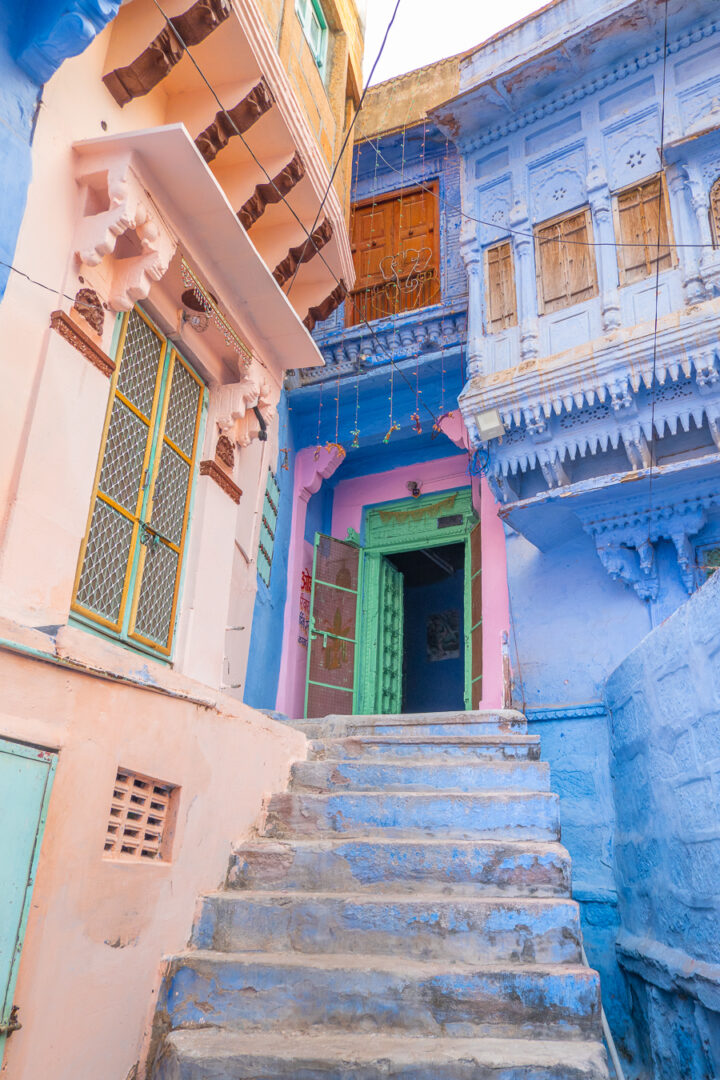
[(478, 722), (474, 930), (420, 746), (508, 815), (425, 776), (214, 1054), (420, 866), (290, 991)]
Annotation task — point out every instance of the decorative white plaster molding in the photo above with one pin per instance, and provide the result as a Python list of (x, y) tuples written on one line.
[(236, 404), (126, 211)]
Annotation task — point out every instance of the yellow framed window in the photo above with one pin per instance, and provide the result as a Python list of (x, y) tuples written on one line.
[(130, 564)]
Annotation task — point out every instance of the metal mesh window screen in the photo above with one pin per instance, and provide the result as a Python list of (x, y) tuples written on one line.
[(268, 527), (130, 564), (142, 817)]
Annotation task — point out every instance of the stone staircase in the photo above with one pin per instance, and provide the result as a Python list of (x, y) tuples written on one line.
[(404, 914)]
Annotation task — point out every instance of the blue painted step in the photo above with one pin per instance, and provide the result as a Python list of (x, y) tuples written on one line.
[(425, 776), (215, 1054), (418, 747), (425, 865), (297, 992), (480, 722), (489, 815), (477, 930)]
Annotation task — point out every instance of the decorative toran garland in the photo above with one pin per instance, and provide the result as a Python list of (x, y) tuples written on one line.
[(211, 310)]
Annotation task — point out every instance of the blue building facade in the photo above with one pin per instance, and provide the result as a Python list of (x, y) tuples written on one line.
[(591, 181), (34, 41)]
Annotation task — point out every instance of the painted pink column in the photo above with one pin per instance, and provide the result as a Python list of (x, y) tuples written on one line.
[(312, 466)]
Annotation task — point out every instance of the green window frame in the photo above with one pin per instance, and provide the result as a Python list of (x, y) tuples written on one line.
[(315, 28), (268, 527), (130, 565)]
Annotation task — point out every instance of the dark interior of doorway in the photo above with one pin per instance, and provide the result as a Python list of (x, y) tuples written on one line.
[(433, 649)]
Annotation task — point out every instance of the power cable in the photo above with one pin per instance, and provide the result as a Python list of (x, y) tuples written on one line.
[(282, 197), (507, 231), (348, 132)]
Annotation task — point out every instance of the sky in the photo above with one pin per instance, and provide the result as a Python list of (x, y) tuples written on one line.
[(419, 37)]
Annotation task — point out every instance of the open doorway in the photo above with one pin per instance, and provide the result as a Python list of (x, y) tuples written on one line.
[(433, 660)]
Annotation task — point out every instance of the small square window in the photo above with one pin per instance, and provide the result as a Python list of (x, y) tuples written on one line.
[(315, 28)]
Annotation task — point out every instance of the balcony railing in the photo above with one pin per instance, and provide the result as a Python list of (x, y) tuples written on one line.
[(418, 290)]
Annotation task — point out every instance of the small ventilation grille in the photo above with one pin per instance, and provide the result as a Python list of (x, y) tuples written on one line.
[(140, 822)]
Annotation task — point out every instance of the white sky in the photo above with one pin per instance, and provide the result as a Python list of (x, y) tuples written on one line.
[(428, 30)]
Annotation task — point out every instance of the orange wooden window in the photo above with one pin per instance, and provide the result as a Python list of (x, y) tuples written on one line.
[(641, 225), (565, 261), (500, 284), (395, 248)]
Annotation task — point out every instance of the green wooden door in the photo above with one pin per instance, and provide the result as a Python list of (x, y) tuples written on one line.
[(25, 778), (381, 633), (332, 636)]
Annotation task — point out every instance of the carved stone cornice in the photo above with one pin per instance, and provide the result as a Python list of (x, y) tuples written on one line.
[(321, 312), (273, 192), (221, 478), (129, 211), (165, 50), (609, 369), (429, 329), (304, 252), (67, 328), (242, 116)]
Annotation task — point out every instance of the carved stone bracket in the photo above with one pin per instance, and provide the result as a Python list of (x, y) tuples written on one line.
[(237, 402), (68, 33), (217, 135), (277, 189), (127, 212), (165, 50), (303, 252), (76, 336), (321, 312), (221, 478)]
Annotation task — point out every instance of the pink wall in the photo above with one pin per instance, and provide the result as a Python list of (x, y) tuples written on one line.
[(350, 498)]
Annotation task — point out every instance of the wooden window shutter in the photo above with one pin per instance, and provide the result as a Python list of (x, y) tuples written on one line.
[(566, 268), (642, 231), (395, 250), (500, 279), (715, 211)]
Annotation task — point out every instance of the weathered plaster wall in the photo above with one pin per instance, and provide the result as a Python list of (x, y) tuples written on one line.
[(263, 668), (664, 700), (99, 927)]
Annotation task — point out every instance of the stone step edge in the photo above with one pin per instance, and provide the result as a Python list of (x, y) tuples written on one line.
[(469, 715), (371, 962), (272, 845), (366, 1048), (497, 739), (488, 900)]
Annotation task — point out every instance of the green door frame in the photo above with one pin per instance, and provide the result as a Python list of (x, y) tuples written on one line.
[(18, 866), (409, 524)]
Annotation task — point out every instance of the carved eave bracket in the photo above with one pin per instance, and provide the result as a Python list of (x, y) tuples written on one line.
[(126, 216), (166, 50), (272, 192), (245, 410), (304, 252), (235, 121), (320, 312)]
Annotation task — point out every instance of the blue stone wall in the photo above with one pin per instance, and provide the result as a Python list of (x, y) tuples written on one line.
[(664, 701), (263, 669), (35, 38)]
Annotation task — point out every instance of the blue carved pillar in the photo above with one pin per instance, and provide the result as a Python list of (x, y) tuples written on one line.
[(603, 229), (472, 257), (686, 228), (524, 248)]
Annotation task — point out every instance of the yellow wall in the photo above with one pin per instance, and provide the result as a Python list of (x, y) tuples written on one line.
[(329, 99)]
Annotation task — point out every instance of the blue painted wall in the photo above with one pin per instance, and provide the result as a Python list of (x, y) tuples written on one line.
[(664, 700), (35, 38), (432, 685), (263, 669)]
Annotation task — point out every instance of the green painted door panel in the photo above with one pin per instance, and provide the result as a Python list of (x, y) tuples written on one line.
[(390, 653), (473, 619), (25, 778)]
